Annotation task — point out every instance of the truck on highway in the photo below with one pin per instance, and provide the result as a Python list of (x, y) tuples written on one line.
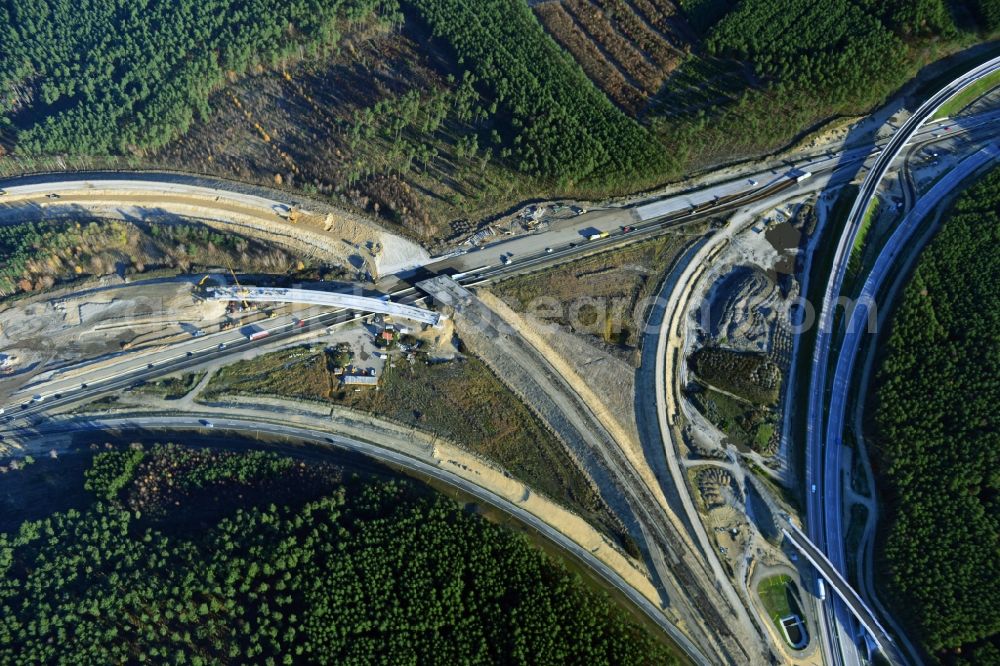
[(598, 235), (253, 332), (821, 589)]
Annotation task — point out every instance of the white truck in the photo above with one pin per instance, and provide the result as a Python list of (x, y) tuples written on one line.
[(821, 589)]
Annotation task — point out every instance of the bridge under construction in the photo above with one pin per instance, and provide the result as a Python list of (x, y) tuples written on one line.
[(250, 294)]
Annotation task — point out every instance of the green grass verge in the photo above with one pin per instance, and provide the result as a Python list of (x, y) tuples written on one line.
[(968, 96), (773, 593), (778, 593), (172, 388), (858, 249)]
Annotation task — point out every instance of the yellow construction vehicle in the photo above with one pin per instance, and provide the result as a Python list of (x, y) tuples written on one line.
[(290, 213)]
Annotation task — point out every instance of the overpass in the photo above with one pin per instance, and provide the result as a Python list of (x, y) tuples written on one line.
[(326, 298), (841, 588), (823, 463)]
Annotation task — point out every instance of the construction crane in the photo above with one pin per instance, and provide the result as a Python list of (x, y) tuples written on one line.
[(240, 291)]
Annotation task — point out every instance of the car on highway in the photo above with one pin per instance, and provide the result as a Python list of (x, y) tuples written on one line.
[(628, 229), (814, 487), (3, 192), (753, 183), (505, 259), (38, 397), (149, 366), (222, 345), (51, 195), (548, 250), (206, 423), (83, 386)]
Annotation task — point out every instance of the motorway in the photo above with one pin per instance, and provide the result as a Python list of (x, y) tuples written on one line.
[(832, 575), (564, 238), (857, 327), (85, 382), (257, 427), (823, 513), (568, 237), (92, 380)]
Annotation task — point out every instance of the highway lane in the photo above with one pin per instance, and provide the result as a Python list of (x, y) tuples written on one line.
[(820, 483), (659, 433), (117, 373), (835, 581), (114, 374), (857, 327), (102, 185), (73, 385), (86, 382), (826, 169), (277, 428)]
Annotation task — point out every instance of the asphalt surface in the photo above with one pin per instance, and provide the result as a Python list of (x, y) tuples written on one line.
[(835, 581), (824, 514), (100, 185), (130, 368), (569, 236), (858, 327), (300, 433), (74, 385), (676, 567), (565, 239), (657, 434)]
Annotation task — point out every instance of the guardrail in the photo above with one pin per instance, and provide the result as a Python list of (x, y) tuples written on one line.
[(332, 299), (815, 430)]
